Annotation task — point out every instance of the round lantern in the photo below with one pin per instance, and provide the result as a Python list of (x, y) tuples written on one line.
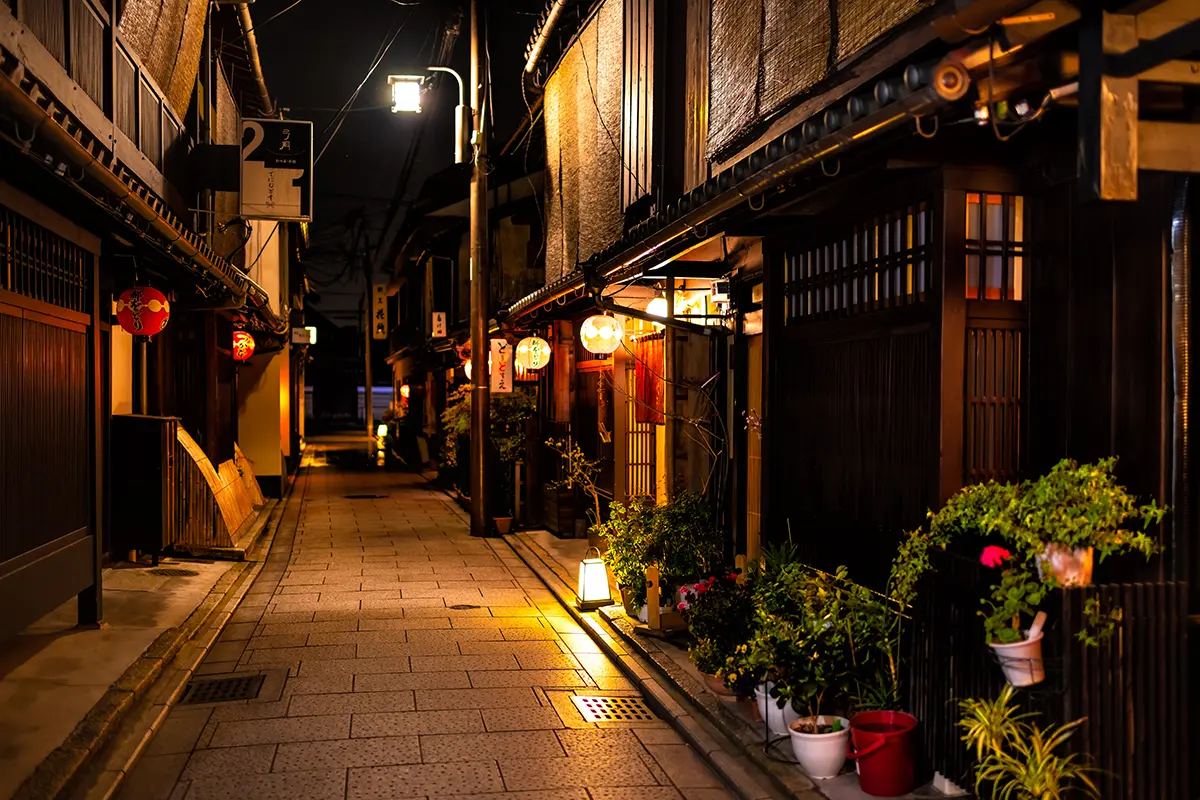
[(533, 352), (243, 345), (467, 366), (143, 311), (601, 334)]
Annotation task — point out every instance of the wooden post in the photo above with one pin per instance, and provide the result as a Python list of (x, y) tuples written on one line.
[(739, 563), (653, 598)]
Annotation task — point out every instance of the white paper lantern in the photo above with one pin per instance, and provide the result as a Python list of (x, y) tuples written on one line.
[(593, 590), (533, 352), (601, 334)]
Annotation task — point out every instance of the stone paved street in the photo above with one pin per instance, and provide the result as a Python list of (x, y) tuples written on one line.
[(405, 659)]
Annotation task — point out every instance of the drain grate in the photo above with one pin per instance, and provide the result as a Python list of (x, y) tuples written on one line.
[(463, 606), (222, 690), (364, 496), (613, 709), (174, 573)]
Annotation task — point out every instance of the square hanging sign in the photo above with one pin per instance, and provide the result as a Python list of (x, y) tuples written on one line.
[(277, 169)]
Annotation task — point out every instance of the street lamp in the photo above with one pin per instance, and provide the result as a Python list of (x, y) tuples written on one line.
[(406, 97)]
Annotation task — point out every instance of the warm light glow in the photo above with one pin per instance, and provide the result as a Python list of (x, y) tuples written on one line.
[(533, 352), (601, 334), (657, 307), (405, 391), (243, 345), (593, 582), (467, 366), (406, 93), (312, 333), (381, 431)]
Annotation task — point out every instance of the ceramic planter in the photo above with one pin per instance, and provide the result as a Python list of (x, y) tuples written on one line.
[(503, 525), (716, 685), (1071, 568), (777, 718), (1021, 661), (821, 755)]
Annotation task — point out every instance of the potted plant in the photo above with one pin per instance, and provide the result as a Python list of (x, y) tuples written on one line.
[(1021, 760), (578, 472), (719, 612), (1017, 594), (508, 412)]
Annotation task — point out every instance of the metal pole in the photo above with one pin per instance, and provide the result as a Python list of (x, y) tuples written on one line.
[(143, 376), (368, 319), (480, 380)]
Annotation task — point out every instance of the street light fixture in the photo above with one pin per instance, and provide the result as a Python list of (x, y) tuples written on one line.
[(406, 97)]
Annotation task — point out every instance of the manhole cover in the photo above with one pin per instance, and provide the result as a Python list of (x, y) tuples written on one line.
[(222, 690), (174, 573), (463, 606), (613, 709), (364, 496)]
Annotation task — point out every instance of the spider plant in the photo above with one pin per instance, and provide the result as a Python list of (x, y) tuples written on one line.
[(1018, 758)]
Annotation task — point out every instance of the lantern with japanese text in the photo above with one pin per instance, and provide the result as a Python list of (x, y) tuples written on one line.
[(143, 311), (243, 345), (601, 334), (533, 352)]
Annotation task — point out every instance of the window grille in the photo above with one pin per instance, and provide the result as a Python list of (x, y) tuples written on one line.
[(995, 247), (42, 265)]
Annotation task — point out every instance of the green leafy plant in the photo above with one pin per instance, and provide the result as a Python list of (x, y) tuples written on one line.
[(1018, 758), (578, 471), (628, 533), (508, 413), (1099, 623), (719, 612), (1018, 593)]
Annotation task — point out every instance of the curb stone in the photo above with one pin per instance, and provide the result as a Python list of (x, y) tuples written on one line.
[(79, 753), (722, 753)]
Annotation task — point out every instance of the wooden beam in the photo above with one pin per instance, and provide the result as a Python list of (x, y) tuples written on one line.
[(1169, 146), (1176, 43), (1108, 109), (1184, 72)]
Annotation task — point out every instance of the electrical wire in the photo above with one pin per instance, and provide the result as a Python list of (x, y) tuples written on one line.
[(336, 122), (263, 248)]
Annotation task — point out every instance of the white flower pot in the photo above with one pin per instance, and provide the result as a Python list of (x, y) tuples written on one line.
[(1021, 661), (1070, 568), (777, 718), (821, 755)]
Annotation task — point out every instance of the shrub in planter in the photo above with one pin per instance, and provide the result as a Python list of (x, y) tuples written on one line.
[(719, 612), (508, 413)]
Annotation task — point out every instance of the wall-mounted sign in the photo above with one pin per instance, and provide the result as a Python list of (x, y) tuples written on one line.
[(439, 324), (277, 169), (501, 366), (379, 320), (301, 336)]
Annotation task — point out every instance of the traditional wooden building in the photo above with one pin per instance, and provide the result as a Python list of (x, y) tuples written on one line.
[(907, 246), (117, 126)]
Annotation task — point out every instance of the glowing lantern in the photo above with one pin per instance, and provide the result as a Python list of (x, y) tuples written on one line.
[(593, 583), (657, 307), (467, 366), (533, 352), (243, 345), (405, 391), (143, 311), (601, 334)]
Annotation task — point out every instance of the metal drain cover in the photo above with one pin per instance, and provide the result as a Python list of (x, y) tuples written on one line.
[(174, 573), (613, 709), (222, 690), (364, 496)]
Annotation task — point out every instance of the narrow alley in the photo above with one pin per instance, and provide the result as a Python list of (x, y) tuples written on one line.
[(403, 658)]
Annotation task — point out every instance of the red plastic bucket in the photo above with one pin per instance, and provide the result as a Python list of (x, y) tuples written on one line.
[(883, 743)]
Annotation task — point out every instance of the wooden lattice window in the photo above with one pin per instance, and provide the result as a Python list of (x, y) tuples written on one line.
[(995, 247), (40, 264), (882, 262)]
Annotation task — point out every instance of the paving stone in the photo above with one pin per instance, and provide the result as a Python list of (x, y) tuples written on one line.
[(230, 761), (308, 785), (347, 753), (308, 628), (528, 634), (352, 666), (352, 703), (382, 783), (480, 746), (412, 723), (554, 773), (379, 682), (298, 639), (609, 743), (330, 683), (637, 793), (499, 622), (410, 648), (472, 662), (527, 677), (547, 794), (153, 777), (285, 617), (282, 729), (456, 635), (248, 710), (548, 661), (521, 719), (179, 732), (434, 699), (685, 768), (664, 735), (403, 623), (237, 631), (580, 643)]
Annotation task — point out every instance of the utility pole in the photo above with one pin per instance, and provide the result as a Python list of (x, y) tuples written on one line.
[(480, 346), (368, 327)]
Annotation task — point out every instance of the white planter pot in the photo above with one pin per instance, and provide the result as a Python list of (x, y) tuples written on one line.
[(1021, 661), (821, 755), (1070, 568), (777, 718)]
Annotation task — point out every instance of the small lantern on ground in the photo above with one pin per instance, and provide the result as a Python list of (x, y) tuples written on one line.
[(533, 352), (143, 311), (593, 582), (601, 334), (243, 345)]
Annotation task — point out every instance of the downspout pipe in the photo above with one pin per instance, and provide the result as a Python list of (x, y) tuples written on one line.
[(539, 45), (1181, 323), (247, 25)]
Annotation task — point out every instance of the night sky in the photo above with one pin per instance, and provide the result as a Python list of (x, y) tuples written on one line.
[(316, 53)]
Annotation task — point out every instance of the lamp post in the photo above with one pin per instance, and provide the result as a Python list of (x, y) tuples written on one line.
[(470, 144)]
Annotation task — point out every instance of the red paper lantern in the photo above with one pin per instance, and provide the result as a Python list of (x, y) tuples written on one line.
[(243, 345), (143, 311)]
